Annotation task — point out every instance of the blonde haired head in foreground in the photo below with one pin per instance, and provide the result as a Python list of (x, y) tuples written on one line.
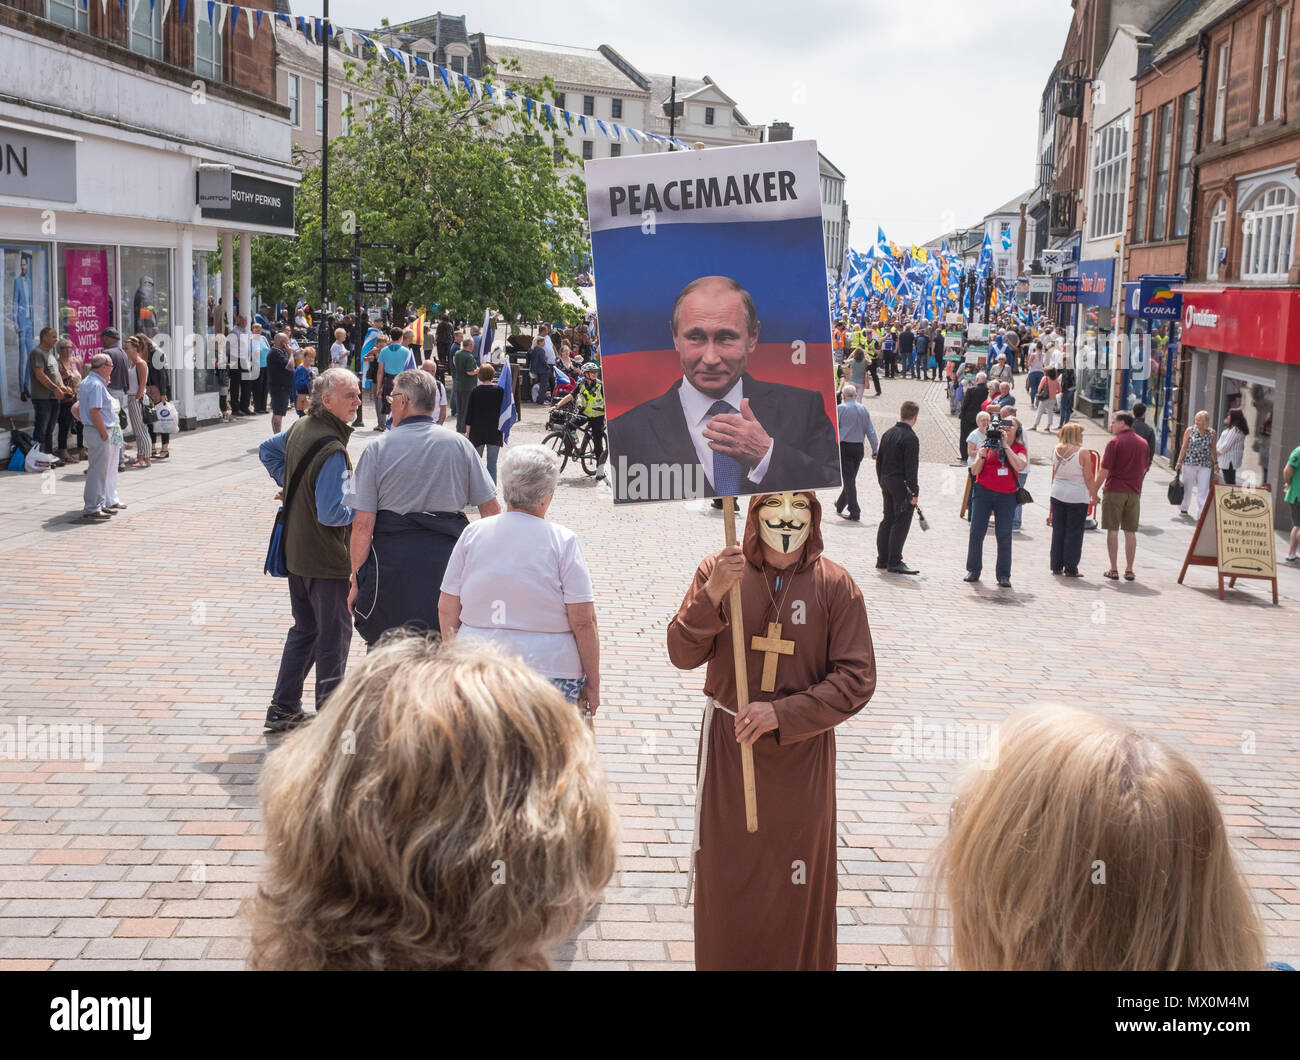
[(1090, 847), (446, 811)]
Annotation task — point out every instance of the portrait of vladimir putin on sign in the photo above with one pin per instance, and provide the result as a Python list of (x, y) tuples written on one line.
[(720, 431)]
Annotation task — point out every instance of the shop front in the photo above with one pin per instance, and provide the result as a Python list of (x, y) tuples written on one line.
[(101, 221), (1152, 309), (1095, 352), (1245, 348)]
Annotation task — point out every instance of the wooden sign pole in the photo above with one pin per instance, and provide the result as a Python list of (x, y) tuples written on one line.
[(742, 673)]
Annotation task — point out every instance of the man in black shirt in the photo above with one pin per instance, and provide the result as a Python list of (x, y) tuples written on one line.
[(907, 351), (897, 462), (1144, 429), (975, 395)]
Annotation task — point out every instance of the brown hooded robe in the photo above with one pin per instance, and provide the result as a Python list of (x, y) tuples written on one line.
[(767, 900)]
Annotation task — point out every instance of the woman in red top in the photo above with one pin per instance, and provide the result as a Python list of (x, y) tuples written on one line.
[(997, 478)]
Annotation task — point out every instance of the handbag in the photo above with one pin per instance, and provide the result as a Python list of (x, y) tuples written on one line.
[(1176, 490), (276, 565), (149, 413)]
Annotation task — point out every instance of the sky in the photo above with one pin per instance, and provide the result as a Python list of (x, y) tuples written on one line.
[(930, 107)]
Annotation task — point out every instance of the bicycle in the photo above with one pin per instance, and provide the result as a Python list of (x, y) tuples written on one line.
[(571, 440)]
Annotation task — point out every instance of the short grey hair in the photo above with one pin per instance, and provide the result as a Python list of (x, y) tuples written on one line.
[(849, 391), (326, 381), (528, 475), (981, 377), (419, 388), (100, 359)]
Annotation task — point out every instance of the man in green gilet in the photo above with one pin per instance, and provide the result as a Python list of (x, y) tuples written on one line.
[(316, 541)]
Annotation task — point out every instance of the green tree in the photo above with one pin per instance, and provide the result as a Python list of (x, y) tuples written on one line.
[(480, 197)]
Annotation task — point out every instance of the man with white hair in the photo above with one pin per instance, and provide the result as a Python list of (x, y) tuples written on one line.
[(98, 411), (310, 460), (409, 493), (855, 429)]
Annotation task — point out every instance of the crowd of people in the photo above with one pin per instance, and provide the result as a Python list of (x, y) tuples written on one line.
[(992, 441)]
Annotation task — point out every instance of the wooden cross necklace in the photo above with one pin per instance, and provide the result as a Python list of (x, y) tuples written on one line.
[(772, 645)]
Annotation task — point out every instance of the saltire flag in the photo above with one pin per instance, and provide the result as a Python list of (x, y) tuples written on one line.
[(485, 338), (882, 244), (509, 414), (889, 274), (1006, 238), (986, 254)]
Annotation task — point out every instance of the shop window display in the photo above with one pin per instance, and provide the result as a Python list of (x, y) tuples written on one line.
[(25, 306)]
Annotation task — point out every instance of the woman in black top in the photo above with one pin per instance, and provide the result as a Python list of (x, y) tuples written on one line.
[(483, 420)]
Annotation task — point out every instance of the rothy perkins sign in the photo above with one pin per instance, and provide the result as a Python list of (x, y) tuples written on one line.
[(256, 202)]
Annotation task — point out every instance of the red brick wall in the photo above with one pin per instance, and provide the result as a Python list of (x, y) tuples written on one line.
[(251, 63), (1247, 147)]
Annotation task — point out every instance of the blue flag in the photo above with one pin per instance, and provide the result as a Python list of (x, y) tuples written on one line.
[(509, 414)]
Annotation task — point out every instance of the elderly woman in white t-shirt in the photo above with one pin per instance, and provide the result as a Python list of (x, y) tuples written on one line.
[(521, 581)]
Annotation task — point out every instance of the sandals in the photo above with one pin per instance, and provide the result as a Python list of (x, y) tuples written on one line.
[(1129, 576), (1113, 575)]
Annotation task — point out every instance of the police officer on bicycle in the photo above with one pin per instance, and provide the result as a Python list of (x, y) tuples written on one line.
[(589, 398)]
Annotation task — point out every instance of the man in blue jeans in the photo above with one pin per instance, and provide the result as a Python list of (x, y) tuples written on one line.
[(317, 538)]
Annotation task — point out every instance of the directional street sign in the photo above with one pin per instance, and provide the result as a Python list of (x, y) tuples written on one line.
[(375, 287)]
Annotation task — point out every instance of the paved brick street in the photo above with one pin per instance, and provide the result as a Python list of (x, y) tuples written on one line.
[(161, 628)]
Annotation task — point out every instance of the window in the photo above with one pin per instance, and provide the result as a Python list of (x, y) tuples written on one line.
[(68, 13), (1266, 64), (1165, 149), (1004, 229), (616, 108), (1186, 146), (1144, 178), (1109, 170), (559, 100), (207, 49), (345, 105), (295, 100), (1268, 224), (422, 69), (615, 150), (147, 31), (557, 156), (320, 107), (1279, 65), (1221, 92), (587, 151), (1272, 65), (458, 64), (589, 105), (26, 294), (1217, 231), (708, 115)]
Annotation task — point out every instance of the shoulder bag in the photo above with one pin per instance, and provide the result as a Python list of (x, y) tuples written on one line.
[(276, 565)]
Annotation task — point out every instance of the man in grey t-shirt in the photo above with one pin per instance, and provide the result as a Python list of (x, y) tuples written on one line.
[(408, 491)]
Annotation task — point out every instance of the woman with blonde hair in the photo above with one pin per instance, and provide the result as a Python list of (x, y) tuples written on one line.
[(448, 811), (1085, 846), (1073, 487), (1196, 463)]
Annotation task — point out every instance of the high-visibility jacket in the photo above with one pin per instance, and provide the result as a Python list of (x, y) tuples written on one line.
[(591, 399)]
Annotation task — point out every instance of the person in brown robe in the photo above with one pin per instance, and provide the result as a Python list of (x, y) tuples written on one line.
[(767, 900)]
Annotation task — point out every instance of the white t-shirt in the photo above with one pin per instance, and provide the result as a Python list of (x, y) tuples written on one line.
[(514, 574), (338, 354)]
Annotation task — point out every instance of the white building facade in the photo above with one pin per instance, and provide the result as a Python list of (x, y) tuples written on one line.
[(100, 223)]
